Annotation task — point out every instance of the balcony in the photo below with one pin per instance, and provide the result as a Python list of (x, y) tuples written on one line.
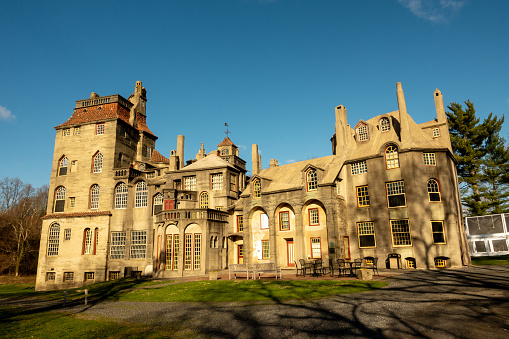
[(127, 173), (192, 214)]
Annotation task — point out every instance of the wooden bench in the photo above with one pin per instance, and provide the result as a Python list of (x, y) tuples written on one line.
[(266, 268), (237, 268)]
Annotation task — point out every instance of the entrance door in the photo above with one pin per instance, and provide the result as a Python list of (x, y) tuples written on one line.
[(289, 253), (240, 254)]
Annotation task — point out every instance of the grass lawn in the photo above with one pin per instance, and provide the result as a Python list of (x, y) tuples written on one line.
[(494, 260)]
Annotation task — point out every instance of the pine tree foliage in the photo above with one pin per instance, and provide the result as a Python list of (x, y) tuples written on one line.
[(483, 160)]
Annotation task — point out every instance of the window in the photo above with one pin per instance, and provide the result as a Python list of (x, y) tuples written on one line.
[(439, 262), (362, 132), (436, 132), (433, 191), (197, 250), (391, 157), (99, 129), (240, 223), (68, 276), (204, 200), (151, 175), (192, 258), (121, 196), (98, 163), (366, 232), (66, 132), (172, 249), (359, 167), (264, 221), (219, 208), (233, 183), (385, 125), (141, 194), (148, 151), (265, 249), (138, 244), (72, 202), (117, 248), (158, 203), (50, 276), (76, 131), (396, 194), (114, 275), (89, 276), (190, 183), (60, 199), (316, 250), (429, 159), (87, 241), (313, 217), (312, 180), (62, 166), (284, 221), (53, 239), (257, 189), (362, 196), (437, 229), (410, 262), (96, 242), (400, 233), (67, 234), (217, 181), (94, 197), (224, 151)]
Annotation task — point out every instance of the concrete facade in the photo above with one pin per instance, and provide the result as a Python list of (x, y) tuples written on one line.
[(116, 205)]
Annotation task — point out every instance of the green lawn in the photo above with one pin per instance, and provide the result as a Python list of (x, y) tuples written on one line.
[(495, 260)]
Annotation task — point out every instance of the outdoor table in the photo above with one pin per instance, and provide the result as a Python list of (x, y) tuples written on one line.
[(351, 263), (314, 263)]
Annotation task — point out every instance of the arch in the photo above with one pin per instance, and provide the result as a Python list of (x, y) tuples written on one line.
[(257, 188), (362, 131), (314, 213), (434, 191), (172, 247), (141, 194), (391, 157), (121, 191), (53, 239), (204, 200), (284, 214), (158, 203), (97, 162), (63, 164), (192, 247), (311, 180), (224, 151), (385, 124), (87, 241), (94, 196), (59, 199)]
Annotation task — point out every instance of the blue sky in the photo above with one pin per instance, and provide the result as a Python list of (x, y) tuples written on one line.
[(273, 70)]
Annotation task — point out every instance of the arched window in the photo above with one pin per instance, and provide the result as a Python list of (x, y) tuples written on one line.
[(141, 194), (257, 189), (53, 239), (94, 197), (224, 151), (87, 241), (158, 203), (433, 190), (62, 166), (121, 196), (60, 199), (362, 132), (391, 157), (385, 125), (312, 180), (204, 200), (98, 163)]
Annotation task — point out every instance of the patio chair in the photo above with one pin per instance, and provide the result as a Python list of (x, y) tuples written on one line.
[(357, 263), (302, 269), (318, 269), (341, 267), (305, 266), (374, 266), (331, 267)]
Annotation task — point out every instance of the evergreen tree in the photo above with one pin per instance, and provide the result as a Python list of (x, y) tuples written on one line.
[(482, 159)]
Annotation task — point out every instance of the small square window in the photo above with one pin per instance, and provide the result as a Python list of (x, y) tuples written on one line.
[(66, 132), (68, 276), (429, 159), (436, 132), (67, 234), (99, 129), (313, 217), (114, 275), (76, 131), (72, 202), (359, 167), (50, 276), (89, 276)]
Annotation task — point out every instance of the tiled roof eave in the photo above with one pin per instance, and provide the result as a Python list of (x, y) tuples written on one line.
[(76, 215)]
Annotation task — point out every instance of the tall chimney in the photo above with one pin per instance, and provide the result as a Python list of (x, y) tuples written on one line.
[(341, 129), (442, 118), (180, 150), (403, 115), (255, 159)]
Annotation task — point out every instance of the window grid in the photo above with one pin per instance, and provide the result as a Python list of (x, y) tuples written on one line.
[(257, 189), (265, 249), (63, 166), (410, 263), (94, 197), (76, 131), (366, 231), (313, 217), (437, 230), (385, 125), (429, 159), (60, 199), (240, 223), (197, 251), (188, 252), (87, 241), (233, 181), (359, 167), (176, 251), (204, 200), (436, 132), (89, 276), (284, 221), (316, 251), (362, 196), (98, 163), (158, 203), (117, 249), (96, 235), (433, 191), (141, 194), (400, 233), (68, 276), (53, 239), (138, 244), (312, 180), (50, 276), (396, 194), (391, 157), (66, 132), (362, 132), (190, 183), (121, 196), (114, 275), (439, 263), (99, 129), (67, 234), (72, 202), (217, 181), (169, 252)]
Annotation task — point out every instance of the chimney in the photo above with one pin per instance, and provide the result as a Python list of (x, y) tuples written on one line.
[(201, 153), (403, 115), (442, 118), (255, 158), (341, 129), (180, 150), (273, 163)]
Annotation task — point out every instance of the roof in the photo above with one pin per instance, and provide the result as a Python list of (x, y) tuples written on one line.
[(226, 142), (158, 157), (210, 161), (76, 214)]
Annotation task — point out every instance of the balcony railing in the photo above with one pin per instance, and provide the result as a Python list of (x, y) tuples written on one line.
[(197, 214), (127, 173)]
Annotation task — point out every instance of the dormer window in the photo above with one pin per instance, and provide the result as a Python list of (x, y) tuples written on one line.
[(362, 132), (385, 125), (312, 180), (257, 189)]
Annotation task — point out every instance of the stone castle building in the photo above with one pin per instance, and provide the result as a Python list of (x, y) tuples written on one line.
[(117, 206)]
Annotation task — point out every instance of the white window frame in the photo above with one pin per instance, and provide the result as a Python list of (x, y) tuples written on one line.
[(98, 163), (429, 159), (217, 181), (94, 197), (359, 167), (138, 244), (141, 196), (121, 192), (190, 183), (117, 248)]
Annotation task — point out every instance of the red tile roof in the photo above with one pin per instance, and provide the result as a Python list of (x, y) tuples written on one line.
[(226, 142), (76, 214), (158, 157)]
